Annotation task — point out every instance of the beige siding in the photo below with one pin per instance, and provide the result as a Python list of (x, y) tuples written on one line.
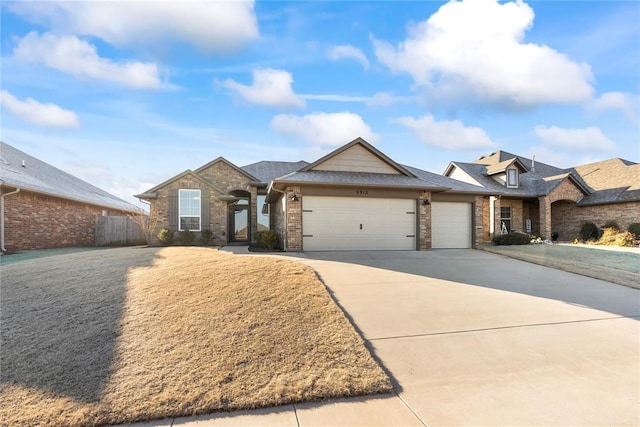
[(356, 159), (461, 175)]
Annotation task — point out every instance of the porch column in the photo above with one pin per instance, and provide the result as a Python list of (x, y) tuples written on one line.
[(494, 216), (545, 217)]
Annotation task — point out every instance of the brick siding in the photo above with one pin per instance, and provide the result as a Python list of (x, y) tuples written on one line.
[(567, 218), (35, 221), (226, 179)]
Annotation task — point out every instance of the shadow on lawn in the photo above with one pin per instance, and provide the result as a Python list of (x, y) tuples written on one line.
[(60, 319)]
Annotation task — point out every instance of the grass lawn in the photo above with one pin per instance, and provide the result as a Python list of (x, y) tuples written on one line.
[(134, 334), (617, 266)]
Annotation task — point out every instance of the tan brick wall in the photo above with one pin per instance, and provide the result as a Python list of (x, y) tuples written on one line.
[(567, 218), (226, 179), (478, 221), (424, 223), (35, 221), (565, 191), (517, 222), (294, 219)]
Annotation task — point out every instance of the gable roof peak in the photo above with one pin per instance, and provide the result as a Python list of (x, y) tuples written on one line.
[(367, 146)]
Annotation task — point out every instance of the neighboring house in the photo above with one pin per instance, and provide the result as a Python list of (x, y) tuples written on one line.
[(537, 198), (44, 207), (353, 198)]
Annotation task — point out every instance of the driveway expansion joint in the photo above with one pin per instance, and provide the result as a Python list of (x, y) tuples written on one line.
[(497, 328)]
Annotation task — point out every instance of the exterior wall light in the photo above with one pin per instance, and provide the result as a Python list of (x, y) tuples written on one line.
[(294, 197), (425, 202)]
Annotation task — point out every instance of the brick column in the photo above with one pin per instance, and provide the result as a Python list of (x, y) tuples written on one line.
[(497, 224), (294, 219), (424, 223), (478, 206), (254, 214), (545, 217)]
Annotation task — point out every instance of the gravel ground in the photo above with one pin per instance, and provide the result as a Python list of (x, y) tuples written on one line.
[(613, 264)]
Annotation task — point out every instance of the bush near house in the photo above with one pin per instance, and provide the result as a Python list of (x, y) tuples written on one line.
[(512, 238), (187, 238), (205, 237), (165, 236), (613, 237), (634, 229), (267, 239), (611, 224), (589, 231)]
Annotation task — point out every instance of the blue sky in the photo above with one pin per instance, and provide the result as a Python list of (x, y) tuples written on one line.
[(127, 94)]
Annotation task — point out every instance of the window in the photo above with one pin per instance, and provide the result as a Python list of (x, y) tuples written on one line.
[(512, 177), (263, 214), (189, 210), (505, 219)]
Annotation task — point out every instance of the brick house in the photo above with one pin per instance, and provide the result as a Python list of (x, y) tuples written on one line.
[(43, 207), (353, 198), (538, 198)]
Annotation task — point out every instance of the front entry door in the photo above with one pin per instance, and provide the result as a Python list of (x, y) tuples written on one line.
[(239, 223)]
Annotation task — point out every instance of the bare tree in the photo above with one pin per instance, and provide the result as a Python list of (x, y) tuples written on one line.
[(146, 221)]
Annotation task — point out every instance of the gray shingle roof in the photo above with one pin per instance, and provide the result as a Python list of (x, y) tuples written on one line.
[(609, 181), (41, 177), (267, 171), (357, 178), (445, 181)]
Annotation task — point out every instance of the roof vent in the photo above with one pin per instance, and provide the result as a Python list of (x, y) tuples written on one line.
[(24, 165), (533, 163)]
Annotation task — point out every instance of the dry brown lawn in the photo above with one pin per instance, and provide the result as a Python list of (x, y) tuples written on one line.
[(135, 334)]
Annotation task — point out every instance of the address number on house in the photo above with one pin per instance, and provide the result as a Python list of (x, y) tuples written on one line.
[(362, 192)]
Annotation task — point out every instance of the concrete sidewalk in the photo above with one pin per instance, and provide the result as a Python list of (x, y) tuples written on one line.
[(472, 338)]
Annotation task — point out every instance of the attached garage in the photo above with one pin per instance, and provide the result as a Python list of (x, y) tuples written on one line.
[(362, 223), (451, 225)]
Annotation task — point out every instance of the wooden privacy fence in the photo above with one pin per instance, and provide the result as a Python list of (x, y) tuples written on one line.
[(118, 231)]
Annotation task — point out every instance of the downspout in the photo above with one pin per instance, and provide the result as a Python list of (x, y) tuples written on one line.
[(286, 217), (2, 196)]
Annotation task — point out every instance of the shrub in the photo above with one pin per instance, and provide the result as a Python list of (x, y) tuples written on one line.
[(512, 238), (612, 237), (205, 237), (589, 231), (634, 229), (165, 236), (187, 237), (267, 239), (611, 224)]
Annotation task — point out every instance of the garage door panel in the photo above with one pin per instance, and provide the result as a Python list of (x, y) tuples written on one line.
[(451, 225), (344, 223)]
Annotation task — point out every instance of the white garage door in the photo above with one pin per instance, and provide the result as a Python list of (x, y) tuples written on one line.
[(450, 225), (346, 223)]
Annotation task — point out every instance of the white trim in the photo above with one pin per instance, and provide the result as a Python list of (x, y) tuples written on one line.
[(510, 184), (199, 216)]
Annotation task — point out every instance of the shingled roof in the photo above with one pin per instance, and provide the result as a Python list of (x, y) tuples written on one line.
[(21, 170), (610, 181)]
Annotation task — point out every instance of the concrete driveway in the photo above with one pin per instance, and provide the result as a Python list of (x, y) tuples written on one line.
[(472, 338)]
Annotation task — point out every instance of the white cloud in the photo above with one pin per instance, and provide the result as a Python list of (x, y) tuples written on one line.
[(627, 103), (337, 53), (579, 140), (71, 55), (385, 99), (270, 87), (337, 98), (37, 113), (475, 48), (323, 129), (213, 26), (446, 134)]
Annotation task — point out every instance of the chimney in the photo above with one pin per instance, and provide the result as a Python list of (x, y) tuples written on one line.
[(533, 164), (24, 165)]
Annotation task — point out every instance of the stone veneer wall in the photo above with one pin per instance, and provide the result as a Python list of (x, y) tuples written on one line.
[(36, 221), (424, 228)]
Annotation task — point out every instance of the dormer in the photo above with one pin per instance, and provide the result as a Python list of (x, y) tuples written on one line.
[(508, 172)]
